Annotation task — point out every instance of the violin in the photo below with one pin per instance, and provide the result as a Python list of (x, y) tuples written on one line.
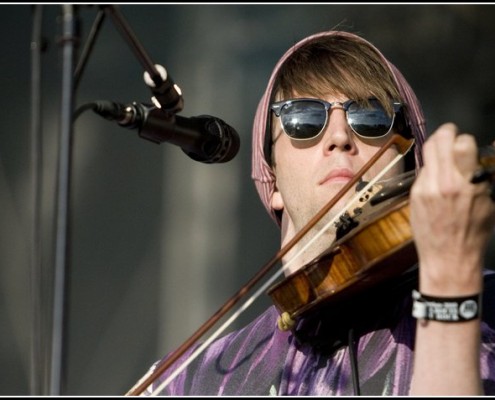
[(375, 248), (379, 247)]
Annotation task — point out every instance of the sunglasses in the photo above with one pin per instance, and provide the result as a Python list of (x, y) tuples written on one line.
[(304, 119)]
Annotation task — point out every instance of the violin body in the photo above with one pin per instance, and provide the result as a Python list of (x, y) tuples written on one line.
[(379, 248)]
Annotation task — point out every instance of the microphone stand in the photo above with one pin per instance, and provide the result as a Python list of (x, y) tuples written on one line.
[(126, 31), (61, 275), (37, 334), (163, 84), (70, 81)]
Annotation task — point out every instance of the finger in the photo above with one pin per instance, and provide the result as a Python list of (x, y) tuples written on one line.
[(437, 150), (465, 152)]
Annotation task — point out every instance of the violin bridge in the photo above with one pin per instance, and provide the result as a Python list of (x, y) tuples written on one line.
[(346, 222)]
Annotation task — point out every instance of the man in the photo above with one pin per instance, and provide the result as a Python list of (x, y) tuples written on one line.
[(333, 101)]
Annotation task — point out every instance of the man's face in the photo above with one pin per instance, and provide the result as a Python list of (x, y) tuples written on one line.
[(310, 173)]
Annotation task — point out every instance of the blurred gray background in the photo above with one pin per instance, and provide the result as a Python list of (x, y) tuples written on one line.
[(158, 242)]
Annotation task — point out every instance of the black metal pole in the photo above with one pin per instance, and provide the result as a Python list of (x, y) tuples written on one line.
[(37, 334), (68, 41)]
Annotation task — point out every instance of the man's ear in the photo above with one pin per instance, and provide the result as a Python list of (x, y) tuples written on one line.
[(276, 201)]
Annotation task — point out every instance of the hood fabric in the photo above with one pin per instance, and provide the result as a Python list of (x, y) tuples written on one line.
[(262, 173)]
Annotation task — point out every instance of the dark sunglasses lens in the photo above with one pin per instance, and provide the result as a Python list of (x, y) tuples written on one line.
[(303, 119), (371, 122)]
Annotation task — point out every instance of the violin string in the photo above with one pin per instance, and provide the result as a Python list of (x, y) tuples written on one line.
[(266, 285)]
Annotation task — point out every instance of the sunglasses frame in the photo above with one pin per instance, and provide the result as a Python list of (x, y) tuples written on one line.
[(278, 107)]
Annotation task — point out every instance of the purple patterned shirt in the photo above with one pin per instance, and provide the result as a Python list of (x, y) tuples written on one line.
[(316, 359)]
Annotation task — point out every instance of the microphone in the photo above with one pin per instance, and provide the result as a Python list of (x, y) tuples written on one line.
[(203, 138)]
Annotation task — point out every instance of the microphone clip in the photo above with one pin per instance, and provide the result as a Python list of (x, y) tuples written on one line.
[(167, 95)]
